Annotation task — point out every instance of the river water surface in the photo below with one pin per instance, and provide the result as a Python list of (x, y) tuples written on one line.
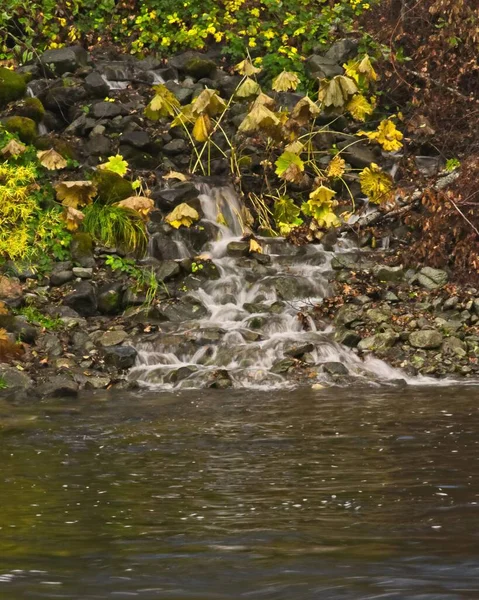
[(340, 494)]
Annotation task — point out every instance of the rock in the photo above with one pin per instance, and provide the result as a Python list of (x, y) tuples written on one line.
[(184, 309), (183, 94), (96, 86), (60, 98), (282, 366), (175, 147), (50, 344), (120, 357), (58, 278), (168, 269), (379, 342), (113, 338), (83, 299), (347, 337), (237, 249), (193, 63), (335, 368), (359, 155), (11, 291), (137, 139), (299, 351), (83, 272), (97, 383), (31, 108), (12, 86), (342, 50), (58, 386), (322, 67), (167, 199), (451, 303), (14, 379), (64, 60), (24, 331), (431, 278), (111, 187), (425, 338), (454, 346), (378, 316), (25, 128), (387, 273), (347, 315), (81, 249), (98, 145), (180, 374), (108, 110)]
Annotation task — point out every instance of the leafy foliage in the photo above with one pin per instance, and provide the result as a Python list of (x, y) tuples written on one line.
[(386, 135), (115, 164), (183, 215), (375, 183)]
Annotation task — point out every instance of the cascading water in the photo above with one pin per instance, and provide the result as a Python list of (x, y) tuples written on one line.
[(250, 321)]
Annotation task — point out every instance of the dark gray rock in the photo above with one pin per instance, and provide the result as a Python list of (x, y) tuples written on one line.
[(322, 67), (379, 342), (81, 248), (61, 98), (14, 379), (175, 147), (137, 139), (83, 272), (58, 386), (98, 145), (108, 110), (347, 337), (61, 277), (183, 309), (237, 249), (347, 315), (83, 299), (96, 86), (335, 368), (120, 357), (283, 366), (64, 60), (168, 269), (342, 50), (387, 273), (193, 63), (168, 198), (183, 94), (113, 338), (110, 298), (359, 155)]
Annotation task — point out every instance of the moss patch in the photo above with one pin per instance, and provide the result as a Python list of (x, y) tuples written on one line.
[(12, 86), (31, 108), (25, 128), (111, 187)]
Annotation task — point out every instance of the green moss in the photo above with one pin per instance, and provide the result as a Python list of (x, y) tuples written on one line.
[(111, 187), (63, 147), (81, 246), (200, 67), (32, 108), (12, 86), (25, 128)]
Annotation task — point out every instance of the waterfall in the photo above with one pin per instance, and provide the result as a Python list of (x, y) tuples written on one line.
[(243, 324)]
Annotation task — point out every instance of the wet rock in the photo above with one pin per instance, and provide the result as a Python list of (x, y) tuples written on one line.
[(335, 368), (96, 86), (342, 50), (24, 331), (98, 145), (96, 383), (454, 346), (64, 60), (110, 298), (113, 338), (184, 309), (61, 277), (298, 351), (237, 249), (120, 357), (83, 299), (108, 110), (431, 278), (378, 316), (167, 270), (14, 379), (137, 139), (182, 93), (378, 342), (347, 315), (347, 337), (283, 366), (60, 98), (168, 198), (193, 63), (322, 67), (426, 339), (12, 86), (290, 288), (175, 147), (50, 344), (163, 247), (387, 273), (180, 374), (58, 386)]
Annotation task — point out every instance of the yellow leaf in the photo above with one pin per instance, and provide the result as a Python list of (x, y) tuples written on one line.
[(208, 102), (295, 147), (246, 67), (259, 117), (72, 218), (184, 117), (264, 100), (336, 167), (140, 204), (163, 104), (175, 175), (304, 111), (75, 193), (359, 107), (255, 247), (248, 88), (51, 160), (375, 183), (285, 81), (115, 164), (202, 129), (183, 214), (366, 68), (336, 92), (289, 167), (386, 135), (13, 148)]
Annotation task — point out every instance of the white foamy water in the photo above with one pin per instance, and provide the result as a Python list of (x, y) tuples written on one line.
[(254, 316)]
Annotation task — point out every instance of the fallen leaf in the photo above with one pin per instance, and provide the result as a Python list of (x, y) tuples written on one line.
[(255, 247), (183, 214), (140, 204), (75, 193), (72, 218), (51, 159), (13, 148), (287, 80), (116, 164), (175, 175)]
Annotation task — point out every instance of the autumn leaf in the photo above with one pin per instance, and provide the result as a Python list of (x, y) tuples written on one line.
[(336, 91), (13, 149), (163, 104), (322, 194), (295, 147), (140, 204), (336, 167), (289, 167), (175, 175), (246, 67), (366, 68), (375, 183), (115, 164), (386, 135), (75, 193), (51, 160), (208, 102), (184, 117), (287, 80), (248, 88), (255, 247), (183, 214), (72, 218), (259, 117), (286, 214), (359, 107), (304, 111), (320, 205), (264, 100), (202, 128)]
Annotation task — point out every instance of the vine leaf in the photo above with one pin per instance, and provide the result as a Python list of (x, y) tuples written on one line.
[(72, 218), (320, 207), (259, 117), (202, 128), (175, 175), (248, 88), (286, 214), (183, 214), (75, 193), (51, 160), (287, 80), (116, 164), (208, 102), (139, 204), (386, 135), (304, 111), (336, 167), (336, 91), (375, 183), (289, 167), (359, 107), (246, 67), (13, 149), (163, 104)]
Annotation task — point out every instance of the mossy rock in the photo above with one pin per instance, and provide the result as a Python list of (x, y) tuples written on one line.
[(112, 187), (200, 67), (25, 128), (12, 86), (63, 147), (31, 108), (81, 248)]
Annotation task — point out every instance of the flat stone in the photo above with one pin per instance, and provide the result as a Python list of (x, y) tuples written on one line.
[(386, 273), (237, 249), (426, 339), (64, 60), (107, 110), (14, 379), (113, 338), (168, 269), (120, 357), (83, 272), (347, 337), (137, 139), (58, 386), (175, 147), (378, 342), (335, 368), (431, 278)]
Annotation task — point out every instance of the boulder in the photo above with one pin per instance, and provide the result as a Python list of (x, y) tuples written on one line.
[(137, 139), (64, 60), (378, 342), (108, 110), (387, 273), (113, 338), (334, 368), (120, 357), (81, 249), (194, 64), (431, 278), (96, 86), (11, 291), (184, 309), (83, 299), (12, 86), (58, 278), (14, 379), (322, 67), (58, 386), (426, 339), (25, 128)]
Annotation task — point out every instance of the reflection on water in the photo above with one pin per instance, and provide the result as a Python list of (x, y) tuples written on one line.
[(349, 494)]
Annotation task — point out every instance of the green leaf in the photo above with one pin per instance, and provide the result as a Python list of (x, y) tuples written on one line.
[(286, 214), (289, 167), (320, 207), (116, 164)]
